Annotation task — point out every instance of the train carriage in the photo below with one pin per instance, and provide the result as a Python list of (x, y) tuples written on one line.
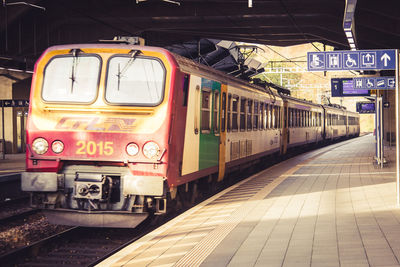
[(304, 122), (353, 124), (335, 122)]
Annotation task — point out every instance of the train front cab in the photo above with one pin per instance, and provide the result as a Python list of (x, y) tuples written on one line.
[(98, 133)]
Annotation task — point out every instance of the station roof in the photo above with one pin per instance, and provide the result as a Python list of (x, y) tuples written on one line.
[(28, 27)]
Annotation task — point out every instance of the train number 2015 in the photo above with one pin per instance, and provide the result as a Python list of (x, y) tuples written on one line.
[(93, 148)]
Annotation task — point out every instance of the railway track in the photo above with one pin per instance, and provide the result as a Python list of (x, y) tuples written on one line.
[(10, 187), (18, 216), (78, 246)]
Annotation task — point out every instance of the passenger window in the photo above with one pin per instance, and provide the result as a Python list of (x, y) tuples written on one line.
[(205, 111), (270, 117), (256, 116), (229, 113), (223, 112), (249, 112), (266, 116), (243, 114), (185, 89), (273, 119), (235, 106), (277, 117), (216, 112), (262, 125), (319, 120)]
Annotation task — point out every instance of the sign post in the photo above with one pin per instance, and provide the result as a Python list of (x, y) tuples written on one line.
[(397, 129), (380, 159)]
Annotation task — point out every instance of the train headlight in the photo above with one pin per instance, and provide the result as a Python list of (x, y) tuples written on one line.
[(40, 146), (57, 146), (151, 150), (132, 149)]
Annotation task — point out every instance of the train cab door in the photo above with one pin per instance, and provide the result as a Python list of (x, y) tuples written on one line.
[(222, 140), (285, 130), (210, 124)]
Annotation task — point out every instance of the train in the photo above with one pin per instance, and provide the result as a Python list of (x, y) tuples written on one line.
[(119, 132)]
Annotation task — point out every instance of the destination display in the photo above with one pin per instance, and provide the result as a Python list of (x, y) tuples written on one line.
[(365, 107), (342, 87)]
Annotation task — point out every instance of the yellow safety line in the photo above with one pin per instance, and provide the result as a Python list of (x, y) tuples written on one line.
[(335, 164)]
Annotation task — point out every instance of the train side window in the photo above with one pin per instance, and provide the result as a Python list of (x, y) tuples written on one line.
[(242, 114), (301, 118), (185, 89), (285, 116), (319, 120), (298, 118), (262, 125), (270, 117), (205, 111), (273, 119), (216, 112), (223, 112), (249, 112), (291, 118), (294, 118), (256, 116), (266, 117), (235, 107), (228, 125), (278, 117)]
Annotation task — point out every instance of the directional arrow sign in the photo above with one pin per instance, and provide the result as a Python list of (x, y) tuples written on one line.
[(385, 58)]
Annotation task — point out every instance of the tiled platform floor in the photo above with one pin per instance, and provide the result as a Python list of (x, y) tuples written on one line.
[(329, 207)]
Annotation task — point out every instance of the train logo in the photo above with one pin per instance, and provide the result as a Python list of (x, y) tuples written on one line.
[(96, 124)]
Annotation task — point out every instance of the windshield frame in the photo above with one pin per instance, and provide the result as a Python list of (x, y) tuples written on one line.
[(67, 56), (140, 56)]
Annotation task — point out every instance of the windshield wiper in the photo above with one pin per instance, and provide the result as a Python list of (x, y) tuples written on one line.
[(133, 53), (75, 53)]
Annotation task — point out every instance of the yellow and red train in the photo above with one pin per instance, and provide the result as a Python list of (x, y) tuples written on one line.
[(116, 130)]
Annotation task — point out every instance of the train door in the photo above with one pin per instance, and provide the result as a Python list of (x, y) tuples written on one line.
[(209, 126), (223, 120), (19, 130), (285, 130)]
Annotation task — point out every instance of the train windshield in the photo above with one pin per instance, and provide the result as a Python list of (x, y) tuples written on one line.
[(135, 81), (71, 78)]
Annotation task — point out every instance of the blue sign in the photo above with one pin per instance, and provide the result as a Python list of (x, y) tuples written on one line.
[(365, 107), (345, 87), (370, 83), (352, 60)]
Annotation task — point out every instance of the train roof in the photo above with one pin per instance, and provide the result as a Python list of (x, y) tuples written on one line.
[(303, 101), (203, 69)]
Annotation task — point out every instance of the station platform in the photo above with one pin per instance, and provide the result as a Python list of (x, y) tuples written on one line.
[(12, 163), (328, 207)]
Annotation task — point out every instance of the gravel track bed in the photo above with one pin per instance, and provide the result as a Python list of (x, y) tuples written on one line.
[(26, 231)]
